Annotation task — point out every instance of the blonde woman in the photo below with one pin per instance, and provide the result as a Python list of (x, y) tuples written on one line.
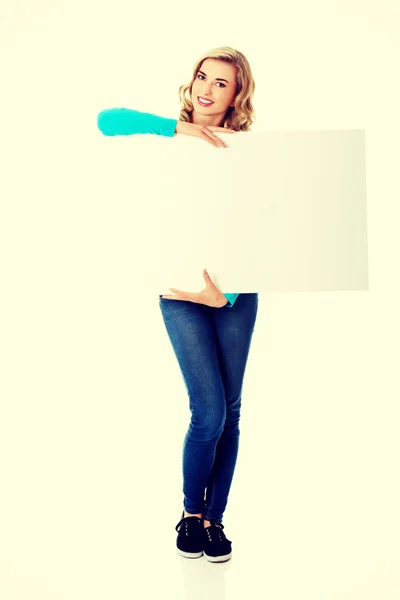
[(210, 332)]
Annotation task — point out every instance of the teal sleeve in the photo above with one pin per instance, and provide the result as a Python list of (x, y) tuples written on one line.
[(231, 299), (125, 121)]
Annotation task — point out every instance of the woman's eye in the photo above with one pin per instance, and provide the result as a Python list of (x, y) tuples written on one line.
[(223, 85)]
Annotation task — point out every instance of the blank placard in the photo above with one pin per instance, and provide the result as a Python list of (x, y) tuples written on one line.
[(275, 211)]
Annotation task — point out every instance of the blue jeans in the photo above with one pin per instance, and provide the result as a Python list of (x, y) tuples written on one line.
[(211, 346)]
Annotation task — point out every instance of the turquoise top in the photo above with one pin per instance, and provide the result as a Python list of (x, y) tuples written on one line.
[(125, 121)]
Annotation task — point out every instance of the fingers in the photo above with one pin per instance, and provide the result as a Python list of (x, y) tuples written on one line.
[(220, 143), (213, 139), (210, 137)]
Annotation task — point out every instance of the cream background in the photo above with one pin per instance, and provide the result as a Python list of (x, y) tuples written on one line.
[(93, 408), (275, 211)]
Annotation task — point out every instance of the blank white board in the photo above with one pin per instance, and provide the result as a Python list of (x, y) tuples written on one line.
[(275, 211)]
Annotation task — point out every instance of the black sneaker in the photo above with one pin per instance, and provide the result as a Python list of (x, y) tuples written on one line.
[(189, 542), (216, 547)]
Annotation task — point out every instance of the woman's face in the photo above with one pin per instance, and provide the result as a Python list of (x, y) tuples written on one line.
[(216, 81)]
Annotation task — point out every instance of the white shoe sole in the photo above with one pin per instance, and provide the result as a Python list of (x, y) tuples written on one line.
[(223, 558), (189, 554)]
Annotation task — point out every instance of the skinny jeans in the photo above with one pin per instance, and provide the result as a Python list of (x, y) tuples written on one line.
[(212, 346)]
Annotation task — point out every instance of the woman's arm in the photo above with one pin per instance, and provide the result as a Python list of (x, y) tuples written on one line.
[(125, 121)]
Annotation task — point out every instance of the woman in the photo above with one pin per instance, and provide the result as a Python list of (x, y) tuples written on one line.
[(211, 344)]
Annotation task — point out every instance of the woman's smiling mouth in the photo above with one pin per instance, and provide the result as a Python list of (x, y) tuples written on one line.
[(203, 101)]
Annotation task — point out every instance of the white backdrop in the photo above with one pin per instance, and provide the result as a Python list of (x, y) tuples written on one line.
[(93, 406)]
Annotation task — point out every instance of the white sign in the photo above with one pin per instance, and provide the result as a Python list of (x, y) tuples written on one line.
[(275, 211)]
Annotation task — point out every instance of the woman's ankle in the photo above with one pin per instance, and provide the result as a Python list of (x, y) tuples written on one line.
[(186, 514)]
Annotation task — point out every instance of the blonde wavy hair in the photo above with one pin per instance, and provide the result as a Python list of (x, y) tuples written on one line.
[(240, 116)]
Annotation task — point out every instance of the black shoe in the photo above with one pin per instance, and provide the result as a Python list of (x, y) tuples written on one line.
[(189, 542), (215, 545)]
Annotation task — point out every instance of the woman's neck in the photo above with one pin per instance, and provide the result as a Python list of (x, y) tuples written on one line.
[(212, 121)]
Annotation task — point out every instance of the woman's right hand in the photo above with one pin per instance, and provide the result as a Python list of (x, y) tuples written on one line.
[(204, 132)]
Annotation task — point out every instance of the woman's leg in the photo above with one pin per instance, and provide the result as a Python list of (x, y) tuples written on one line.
[(192, 334), (234, 327)]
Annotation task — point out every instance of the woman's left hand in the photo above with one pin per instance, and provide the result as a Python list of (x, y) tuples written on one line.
[(210, 296)]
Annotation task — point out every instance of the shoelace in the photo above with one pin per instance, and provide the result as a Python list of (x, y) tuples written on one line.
[(216, 528), (186, 521)]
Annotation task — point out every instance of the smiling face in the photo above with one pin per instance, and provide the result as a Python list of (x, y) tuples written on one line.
[(216, 81)]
